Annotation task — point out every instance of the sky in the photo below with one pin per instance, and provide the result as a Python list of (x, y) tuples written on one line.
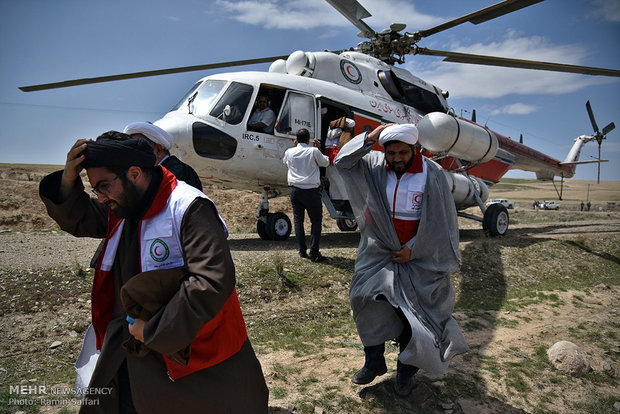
[(45, 41)]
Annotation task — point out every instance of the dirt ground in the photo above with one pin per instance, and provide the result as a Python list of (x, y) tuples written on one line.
[(32, 247)]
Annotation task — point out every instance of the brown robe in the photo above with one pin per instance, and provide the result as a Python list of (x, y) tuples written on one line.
[(236, 385)]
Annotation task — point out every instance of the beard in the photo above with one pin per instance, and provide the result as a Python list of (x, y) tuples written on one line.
[(401, 167), (129, 202)]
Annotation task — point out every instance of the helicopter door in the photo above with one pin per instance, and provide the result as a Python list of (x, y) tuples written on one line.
[(297, 112)]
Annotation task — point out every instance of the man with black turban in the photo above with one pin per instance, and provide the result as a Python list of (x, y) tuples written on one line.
[(193, 353)]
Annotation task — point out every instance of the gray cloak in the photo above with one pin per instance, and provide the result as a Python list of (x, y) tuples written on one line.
[(421, 288)]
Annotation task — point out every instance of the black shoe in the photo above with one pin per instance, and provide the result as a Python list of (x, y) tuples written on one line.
[(403, 384), (303, 255), (366, 375), (317, 258)]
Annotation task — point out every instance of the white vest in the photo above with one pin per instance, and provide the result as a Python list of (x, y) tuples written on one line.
[(405, 195), (160, 236)]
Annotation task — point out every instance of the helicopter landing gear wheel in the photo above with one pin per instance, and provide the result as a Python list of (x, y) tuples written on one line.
[(278, 226), (261, 229), (495, 220), (346, 224)]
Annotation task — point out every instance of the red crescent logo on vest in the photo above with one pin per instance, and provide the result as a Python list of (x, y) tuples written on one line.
[(159, 250)]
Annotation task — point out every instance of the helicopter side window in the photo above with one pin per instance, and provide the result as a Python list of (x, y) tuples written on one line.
[(297, 112), (234, 103)]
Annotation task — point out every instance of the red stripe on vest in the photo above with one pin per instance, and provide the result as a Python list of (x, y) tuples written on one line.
[(217, 340), (102, 295)]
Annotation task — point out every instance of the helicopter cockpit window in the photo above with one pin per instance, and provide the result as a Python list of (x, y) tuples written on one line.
[(200, 103), (187, 95), (297, 112), (200, 97), (420, 98), (232, 106)]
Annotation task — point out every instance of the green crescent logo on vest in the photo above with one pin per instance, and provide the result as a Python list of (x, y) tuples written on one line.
[(159, 250)]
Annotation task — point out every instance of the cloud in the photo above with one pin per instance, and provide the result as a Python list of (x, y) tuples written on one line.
[(515, 109), (310, 14), (607, 9), (464, 80), (274, 14)]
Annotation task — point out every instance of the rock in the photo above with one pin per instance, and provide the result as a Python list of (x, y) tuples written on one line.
[(55, 344), (567, 357), (617, 406), (468, 406), (608, 368), (486, 353), (601, 286)]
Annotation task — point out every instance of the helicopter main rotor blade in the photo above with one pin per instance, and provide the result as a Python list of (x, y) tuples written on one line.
[(354, 12), (515, 63), (481, 16), (101, 79), (591, 115), (610, 127)]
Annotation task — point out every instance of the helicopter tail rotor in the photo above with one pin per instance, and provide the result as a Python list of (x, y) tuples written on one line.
[(599, 136)]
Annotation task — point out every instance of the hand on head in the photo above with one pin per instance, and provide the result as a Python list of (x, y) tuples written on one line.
[(374, 134), (73, 166)]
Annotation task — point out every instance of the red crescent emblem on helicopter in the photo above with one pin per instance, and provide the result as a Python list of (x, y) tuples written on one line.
[(350, 71)]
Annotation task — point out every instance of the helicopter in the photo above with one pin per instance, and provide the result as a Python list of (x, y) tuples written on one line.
[(308, 89)]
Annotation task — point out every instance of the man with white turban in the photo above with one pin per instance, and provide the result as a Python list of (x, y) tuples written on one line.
[(408, 249), (162, 141)]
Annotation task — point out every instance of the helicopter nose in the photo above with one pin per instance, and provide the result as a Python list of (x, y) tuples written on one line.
[(176, 128)]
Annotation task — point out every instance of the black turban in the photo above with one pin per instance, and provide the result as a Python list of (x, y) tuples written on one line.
[(118, 153)]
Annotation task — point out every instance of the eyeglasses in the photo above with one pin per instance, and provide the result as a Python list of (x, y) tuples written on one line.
[(104, 189)]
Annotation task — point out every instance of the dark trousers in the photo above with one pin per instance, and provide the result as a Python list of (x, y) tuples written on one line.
[(307, 200)]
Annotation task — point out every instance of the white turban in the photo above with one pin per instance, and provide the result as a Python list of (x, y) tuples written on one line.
[(407, 133), (151, 132)]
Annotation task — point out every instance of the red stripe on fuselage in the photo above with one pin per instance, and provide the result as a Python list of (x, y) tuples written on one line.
[(531, 160), (492, 170)]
